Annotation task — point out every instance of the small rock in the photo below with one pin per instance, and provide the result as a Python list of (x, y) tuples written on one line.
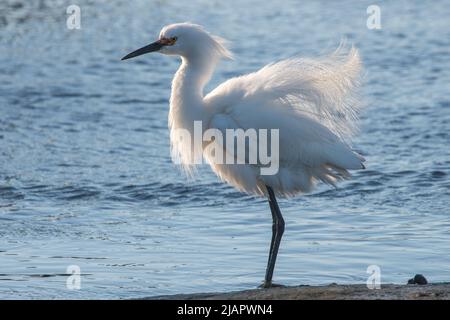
[(418, 279)]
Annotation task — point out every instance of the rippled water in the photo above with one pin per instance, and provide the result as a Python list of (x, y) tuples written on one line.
[(86, 177)]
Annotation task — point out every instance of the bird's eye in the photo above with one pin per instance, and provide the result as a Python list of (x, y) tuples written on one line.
[(168, 41)]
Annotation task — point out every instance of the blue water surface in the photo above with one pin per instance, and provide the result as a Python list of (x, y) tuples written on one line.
[(86, 177)]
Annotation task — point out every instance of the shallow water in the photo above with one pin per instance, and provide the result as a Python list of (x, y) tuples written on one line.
[(85, 171)]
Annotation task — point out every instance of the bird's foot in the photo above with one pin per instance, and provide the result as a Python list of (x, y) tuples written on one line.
[(269, 284)]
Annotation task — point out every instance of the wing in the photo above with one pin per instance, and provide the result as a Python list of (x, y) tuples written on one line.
[(307, 151), (312, 102), (302, 140)]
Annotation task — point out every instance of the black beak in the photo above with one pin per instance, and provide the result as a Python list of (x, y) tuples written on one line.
[(155, 46)]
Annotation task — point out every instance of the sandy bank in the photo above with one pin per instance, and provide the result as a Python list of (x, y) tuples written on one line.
[(330, 292)]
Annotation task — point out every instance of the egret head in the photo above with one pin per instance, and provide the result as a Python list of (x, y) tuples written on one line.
[(186, 40)]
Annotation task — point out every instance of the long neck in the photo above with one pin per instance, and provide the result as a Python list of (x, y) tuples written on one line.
[(191, 78), (187, 107), (186, 100)]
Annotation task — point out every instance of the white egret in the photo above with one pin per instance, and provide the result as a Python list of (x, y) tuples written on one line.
[(312, 102)]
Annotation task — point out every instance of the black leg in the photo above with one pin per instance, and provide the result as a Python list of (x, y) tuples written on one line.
[(277, 233)]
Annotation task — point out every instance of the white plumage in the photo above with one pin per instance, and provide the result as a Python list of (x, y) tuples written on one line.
[(313, 103)]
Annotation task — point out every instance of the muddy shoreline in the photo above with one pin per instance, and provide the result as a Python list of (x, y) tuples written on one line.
[(438, 291)]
